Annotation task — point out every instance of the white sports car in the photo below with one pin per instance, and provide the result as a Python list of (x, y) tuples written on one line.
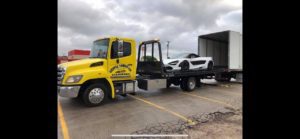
[(188, 61)]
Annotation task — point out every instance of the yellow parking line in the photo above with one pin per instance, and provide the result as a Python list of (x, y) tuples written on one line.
[(63, 123), (210, 99), (225, 85), (227, 92), (164, 109)]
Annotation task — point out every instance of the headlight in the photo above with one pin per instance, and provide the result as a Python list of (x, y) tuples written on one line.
[(74, 79), (173, 62)]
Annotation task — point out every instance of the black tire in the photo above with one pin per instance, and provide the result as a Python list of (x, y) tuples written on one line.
[(223, 77), (95, 88), (185, 66), (191, 84), (210, 66), (198, 82), (223, 80), (183, 84)]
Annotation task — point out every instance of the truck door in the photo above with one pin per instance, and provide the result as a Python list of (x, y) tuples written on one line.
[(122, 63)]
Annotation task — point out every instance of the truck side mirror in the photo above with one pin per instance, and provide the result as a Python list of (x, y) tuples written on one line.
[(120, 48), (120, 43)]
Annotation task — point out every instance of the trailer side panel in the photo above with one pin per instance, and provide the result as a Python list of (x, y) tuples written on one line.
[(235, 51)]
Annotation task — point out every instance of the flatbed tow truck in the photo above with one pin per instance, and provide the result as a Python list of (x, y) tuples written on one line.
[(113, 70)]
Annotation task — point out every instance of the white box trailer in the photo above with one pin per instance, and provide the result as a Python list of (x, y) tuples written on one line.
[(226, 49)]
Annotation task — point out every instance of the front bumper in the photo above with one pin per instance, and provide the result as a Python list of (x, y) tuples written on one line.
[(68, 91)]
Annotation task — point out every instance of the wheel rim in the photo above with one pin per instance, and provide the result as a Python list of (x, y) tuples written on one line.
[(192, 83), (96, 95), (186, 67)]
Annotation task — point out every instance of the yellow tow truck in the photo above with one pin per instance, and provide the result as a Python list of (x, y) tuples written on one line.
[(114, 69)]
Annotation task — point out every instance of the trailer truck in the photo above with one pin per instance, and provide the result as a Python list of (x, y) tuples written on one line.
[(226, 50)]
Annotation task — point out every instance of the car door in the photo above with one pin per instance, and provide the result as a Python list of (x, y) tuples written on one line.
[(196, 62)]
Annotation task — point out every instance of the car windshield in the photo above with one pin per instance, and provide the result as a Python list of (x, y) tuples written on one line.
[(99, 49), (181, 55)]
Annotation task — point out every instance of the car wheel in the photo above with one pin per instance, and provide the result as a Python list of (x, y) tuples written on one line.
[(210, 66), (185, 66), (191, 83), (95, 94)]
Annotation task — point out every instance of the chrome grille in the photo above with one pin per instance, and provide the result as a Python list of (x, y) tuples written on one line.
[(60, 74)]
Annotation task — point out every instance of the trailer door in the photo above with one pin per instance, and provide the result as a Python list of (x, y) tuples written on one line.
[(235, 51)]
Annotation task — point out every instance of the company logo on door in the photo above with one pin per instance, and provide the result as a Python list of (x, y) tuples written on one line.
[(121, 71)]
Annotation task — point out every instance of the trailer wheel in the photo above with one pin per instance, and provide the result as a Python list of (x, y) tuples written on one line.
[(222, 77), (95, 94), (191, 84)]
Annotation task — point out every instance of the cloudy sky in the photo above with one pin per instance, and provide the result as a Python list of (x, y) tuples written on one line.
[(80, 22)]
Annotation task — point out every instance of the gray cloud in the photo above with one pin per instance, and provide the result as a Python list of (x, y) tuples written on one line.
[(179, 21), (231, 20)]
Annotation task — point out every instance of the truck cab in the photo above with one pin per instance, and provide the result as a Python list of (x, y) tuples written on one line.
[(110, 69)]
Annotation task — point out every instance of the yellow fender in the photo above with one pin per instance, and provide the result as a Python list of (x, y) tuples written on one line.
[(111, 87)]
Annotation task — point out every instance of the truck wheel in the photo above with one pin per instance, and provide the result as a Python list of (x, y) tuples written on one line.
[(223, 80), (183, 84), (191, 83), (95, 94)]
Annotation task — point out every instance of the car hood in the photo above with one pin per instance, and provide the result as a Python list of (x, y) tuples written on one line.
[(166, 61)]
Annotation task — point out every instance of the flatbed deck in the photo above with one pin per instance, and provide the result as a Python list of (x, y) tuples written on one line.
[(179, 74), (192, 73)]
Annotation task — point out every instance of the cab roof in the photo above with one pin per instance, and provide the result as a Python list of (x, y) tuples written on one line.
[(115, 37)]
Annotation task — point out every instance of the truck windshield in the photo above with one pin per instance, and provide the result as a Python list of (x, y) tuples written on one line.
[(99, 49)]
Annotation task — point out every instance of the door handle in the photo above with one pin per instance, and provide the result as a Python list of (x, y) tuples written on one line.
[(118, 61)]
